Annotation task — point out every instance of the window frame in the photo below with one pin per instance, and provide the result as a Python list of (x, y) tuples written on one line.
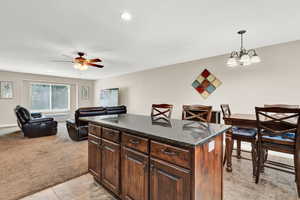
[(50, 98)]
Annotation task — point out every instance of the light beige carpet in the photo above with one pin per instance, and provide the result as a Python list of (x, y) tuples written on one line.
[(30, 165)]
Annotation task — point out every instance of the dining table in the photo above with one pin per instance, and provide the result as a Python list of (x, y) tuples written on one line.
[(241, 120)]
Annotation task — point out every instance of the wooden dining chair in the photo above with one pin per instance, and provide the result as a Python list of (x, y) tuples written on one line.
[(242, 134), (197, 113), (161, 111), (278, 115), (279, 134)]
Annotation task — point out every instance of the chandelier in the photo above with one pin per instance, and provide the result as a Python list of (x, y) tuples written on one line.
[(243, 57)]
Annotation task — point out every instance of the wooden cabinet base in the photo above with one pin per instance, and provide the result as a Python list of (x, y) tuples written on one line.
[(137, 168)]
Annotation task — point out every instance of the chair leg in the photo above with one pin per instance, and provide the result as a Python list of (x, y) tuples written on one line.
[(266, 155), (297, 167), (264, 158), (238, 149), (229, 147), (254, 157), (225, 158), (258, 163)]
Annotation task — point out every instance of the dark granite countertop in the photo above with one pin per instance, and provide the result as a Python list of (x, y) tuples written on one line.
[(181, 132)]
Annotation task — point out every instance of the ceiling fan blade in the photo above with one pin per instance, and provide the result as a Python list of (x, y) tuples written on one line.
[(68, 56), (95, 60), (95, 65), (69, 61)]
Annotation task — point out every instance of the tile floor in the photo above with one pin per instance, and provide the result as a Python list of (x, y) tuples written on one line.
[(238, 185), (81, 188)]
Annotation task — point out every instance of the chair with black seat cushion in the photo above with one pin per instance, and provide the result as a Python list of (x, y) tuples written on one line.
[(278, 130), (278, 106), (242, 134), (33, 124)]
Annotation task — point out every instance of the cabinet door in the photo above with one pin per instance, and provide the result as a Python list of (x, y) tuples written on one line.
[(169, 182), (135, 175), (111, 166), (94, 157)]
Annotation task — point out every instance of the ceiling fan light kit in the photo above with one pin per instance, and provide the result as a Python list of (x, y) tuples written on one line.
[(82, 64), (243, 57)]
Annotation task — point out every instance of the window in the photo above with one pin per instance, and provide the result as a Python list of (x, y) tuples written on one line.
[(49, 97)]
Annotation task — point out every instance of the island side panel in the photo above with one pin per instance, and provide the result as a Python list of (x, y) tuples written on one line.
[(208, 170)]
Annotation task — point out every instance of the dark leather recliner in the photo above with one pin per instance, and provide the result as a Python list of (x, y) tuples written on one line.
[(78, 129), (33, 124)]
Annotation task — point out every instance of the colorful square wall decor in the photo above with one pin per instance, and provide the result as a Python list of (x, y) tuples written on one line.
[(206, 83)]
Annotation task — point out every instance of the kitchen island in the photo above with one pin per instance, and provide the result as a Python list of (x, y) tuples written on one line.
[(138, 158)]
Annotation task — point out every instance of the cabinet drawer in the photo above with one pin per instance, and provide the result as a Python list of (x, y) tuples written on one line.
[(135, 142), (94, 140), (110, 134), (172, 154), (95, 130)]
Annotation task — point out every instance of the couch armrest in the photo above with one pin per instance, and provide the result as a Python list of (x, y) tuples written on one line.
[(36, 115)]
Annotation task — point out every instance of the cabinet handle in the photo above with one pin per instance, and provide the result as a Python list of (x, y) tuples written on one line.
[(108, 148), (168, 152), (134, 141)]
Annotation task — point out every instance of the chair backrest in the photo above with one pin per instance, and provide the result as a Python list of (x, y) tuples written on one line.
[(22, 114), (225, 110), (277, 121), (281, 106), (161, 111), (197, 113)]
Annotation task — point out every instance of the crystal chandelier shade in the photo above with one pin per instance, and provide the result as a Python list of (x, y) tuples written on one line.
[(243, 57)]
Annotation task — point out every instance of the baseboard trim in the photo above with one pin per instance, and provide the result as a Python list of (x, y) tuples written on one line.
[(8, 125)]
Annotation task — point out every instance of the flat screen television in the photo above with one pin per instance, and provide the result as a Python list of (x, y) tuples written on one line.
[(109, 97)]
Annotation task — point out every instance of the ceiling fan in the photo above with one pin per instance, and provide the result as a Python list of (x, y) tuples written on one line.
[(83, 63)]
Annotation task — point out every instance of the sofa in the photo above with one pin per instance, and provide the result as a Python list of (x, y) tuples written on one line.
[(34, 124), (78, 129)]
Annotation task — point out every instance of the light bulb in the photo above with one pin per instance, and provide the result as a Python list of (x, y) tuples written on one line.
[(245, 58), (77, 66), (232, 62), (247, 63), (126, 16), (83, 67), (255, 59)]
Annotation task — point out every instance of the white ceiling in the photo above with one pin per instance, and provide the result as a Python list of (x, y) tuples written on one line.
[(34, 32)]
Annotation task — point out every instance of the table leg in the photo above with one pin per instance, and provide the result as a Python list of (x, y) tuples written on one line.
[(229, 147)]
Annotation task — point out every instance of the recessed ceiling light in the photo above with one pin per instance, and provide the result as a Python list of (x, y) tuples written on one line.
[(126, 16)]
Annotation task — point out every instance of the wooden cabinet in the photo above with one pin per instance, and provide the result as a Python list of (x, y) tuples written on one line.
[(169, 182), (110, 169), (135, 175), (137, 167), (94, 157)]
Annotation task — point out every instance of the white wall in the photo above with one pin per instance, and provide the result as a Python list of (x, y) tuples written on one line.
[(21, 93), (275, 80)]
